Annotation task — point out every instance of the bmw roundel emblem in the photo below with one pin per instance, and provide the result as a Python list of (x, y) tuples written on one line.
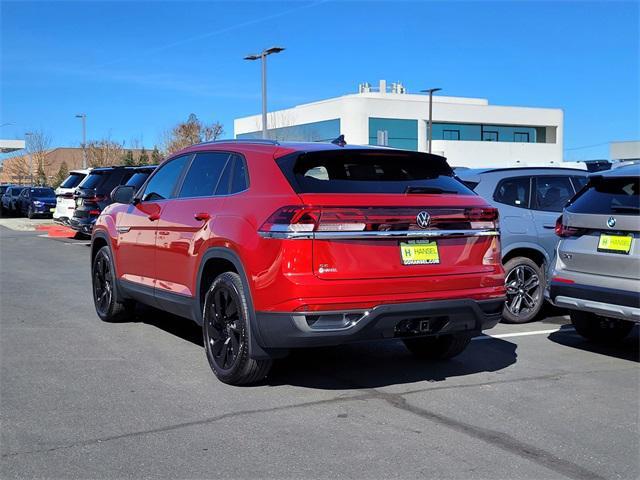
[(423, 219), (611, 222)]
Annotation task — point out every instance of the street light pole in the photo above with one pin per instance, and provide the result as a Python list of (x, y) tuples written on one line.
[(83, 116), (430, 123), (263, 56), (29, 134)]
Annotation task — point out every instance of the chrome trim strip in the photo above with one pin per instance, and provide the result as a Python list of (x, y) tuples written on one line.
[(410, 234)]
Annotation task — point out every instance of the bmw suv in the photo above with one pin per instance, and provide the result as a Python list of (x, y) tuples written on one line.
[(597, 269), (272, 247)]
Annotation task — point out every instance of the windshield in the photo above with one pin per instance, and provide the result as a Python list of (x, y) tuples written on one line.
[(370, 171), (73, 180), (42, 192)]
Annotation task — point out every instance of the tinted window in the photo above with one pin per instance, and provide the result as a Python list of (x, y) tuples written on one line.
[(370, 171), (514, 192), (164, 180), (203, 175), (239, 178), (42, 192), (94, 179), (552, 193), (579, 182), (73, 180), (138, 179), (606, 196)]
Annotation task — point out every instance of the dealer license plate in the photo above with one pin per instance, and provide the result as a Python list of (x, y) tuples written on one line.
[(615, 243), (52, 210), (419, 252)]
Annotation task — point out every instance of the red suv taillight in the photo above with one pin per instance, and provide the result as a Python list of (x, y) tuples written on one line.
[(565, 231), (300, 219)]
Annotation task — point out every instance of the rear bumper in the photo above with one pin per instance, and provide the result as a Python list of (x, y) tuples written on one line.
[(313, 329), (607, 302)]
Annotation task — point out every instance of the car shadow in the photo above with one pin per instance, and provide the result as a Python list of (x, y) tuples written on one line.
[(354, 366), (380, 364), (178, 326), (626, 349)]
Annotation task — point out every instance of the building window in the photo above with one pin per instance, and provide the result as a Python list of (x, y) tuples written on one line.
[(451, 134), (323, 131), (489, 136), (397, 132), (383, 138), (522, 137)]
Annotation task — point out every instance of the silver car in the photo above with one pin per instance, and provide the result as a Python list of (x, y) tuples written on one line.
[(529, 201), (597, 269)]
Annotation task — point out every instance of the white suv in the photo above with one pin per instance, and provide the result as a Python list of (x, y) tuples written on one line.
[(65, 204)]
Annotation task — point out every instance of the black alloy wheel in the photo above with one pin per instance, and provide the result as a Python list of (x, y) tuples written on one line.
[(102, 284), (224, 337), (225, 332)]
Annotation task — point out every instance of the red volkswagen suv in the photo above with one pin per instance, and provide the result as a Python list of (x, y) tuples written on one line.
[(275, 246)]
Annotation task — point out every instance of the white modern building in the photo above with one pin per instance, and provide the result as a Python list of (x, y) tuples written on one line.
[(468, 131)]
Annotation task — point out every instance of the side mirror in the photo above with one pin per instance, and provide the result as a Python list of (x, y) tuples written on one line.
[(123, 194)]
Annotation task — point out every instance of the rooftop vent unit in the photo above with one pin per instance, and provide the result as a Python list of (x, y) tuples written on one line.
[(364, 87)]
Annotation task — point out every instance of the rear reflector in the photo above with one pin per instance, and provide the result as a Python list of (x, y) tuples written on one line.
[(562, 280)]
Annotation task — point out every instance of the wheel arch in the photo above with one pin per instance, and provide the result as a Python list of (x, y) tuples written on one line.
[(533, 252), (218, 260)]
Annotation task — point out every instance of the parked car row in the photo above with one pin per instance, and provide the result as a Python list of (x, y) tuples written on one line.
[(27, 201), (83, 195)]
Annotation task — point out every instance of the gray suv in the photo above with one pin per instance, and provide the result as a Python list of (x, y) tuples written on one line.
[(529, 200), (597, 269)]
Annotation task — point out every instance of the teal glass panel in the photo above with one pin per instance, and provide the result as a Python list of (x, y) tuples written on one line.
[(396, 132), (323, 131), (490, 133)]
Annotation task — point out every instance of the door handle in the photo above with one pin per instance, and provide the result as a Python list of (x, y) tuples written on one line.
[(153, 217), (202, 216)]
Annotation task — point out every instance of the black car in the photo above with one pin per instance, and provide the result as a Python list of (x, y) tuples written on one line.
[(36, 201), (10, 200), (140, 176), (93, 195)]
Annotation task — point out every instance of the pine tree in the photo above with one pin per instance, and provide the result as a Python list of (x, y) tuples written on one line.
[(63, 173), (127, 159), (143, 159), (156, 157)]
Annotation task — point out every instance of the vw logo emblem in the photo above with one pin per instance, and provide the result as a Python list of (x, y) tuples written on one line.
[(423, 219), (611, 222)]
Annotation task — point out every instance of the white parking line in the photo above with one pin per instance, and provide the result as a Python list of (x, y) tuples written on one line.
[(564, 328)]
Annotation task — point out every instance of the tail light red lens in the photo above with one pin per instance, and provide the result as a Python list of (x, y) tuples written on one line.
[(358, 219), (565, 231)]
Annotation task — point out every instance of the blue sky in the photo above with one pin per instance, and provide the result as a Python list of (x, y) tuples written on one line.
[(137, 68)]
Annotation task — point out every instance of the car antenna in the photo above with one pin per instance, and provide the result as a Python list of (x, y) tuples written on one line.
[(340, 141)]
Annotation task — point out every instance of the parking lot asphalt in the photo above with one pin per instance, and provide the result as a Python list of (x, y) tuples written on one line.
[(84, 399)]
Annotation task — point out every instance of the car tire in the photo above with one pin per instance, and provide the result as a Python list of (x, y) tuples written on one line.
[(109, 306), (438, 348), (524, 281), (225, 333), (599, 329)]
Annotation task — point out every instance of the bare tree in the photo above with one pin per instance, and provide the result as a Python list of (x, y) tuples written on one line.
[(104, 153), (17, 169), (189, 133), (37, 146)]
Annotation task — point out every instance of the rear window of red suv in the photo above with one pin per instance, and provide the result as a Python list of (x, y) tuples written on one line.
[(370, 171)]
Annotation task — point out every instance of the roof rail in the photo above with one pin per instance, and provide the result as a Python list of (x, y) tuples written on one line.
[(263, 141)]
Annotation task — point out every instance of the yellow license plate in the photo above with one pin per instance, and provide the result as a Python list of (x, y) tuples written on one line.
[(52, 210), (615, 243), (419, 253)]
